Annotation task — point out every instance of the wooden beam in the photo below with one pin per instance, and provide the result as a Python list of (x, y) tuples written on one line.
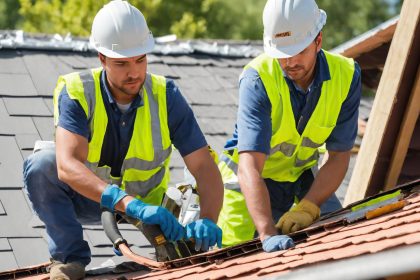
[(372, 42), (406, 276), (384, 101), (407, 128)]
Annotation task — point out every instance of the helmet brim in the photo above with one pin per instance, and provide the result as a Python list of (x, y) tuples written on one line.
[(289, 51), (147, 47), (292, 50)]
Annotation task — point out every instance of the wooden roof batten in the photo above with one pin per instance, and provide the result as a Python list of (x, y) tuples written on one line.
[(394, 113)]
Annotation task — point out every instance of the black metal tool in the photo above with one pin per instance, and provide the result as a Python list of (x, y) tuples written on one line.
[(165, 250)]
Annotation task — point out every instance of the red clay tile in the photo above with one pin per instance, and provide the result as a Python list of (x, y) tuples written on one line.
[(384, 218), (372, 227), (242, 269), (379, 235), (369, 236), (348, 251), (182, 270), (415, 198), (314, 239), (412, 206), (268, 274)]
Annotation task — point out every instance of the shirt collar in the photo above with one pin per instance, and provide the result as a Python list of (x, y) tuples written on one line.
[(322, 72), (138, 101)]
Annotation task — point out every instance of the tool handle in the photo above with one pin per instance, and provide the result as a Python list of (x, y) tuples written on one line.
[(111, 228), (386, 209)]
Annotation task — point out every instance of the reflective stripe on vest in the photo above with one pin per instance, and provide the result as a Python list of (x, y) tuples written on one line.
[(234, 219), (229, 161), (146, 165), (291, 153), (228, 169)]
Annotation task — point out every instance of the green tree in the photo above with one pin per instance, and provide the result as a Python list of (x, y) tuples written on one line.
[(235, 19), (347, 19), (76, 16), (212, 19), (9, 14), (57, 16)]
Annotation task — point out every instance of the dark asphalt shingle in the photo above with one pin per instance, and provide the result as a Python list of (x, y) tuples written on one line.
[(10, 165), (190, 71), (18, 215), (27, 141), (11, 63), (14, 125), (45, 127), (50, 105), (28, 251), (2, 210), (17, 85), (4, 245), (8, 261), (27, 81), (180, 60), (43, 72), (60, 67), (163, 70), (73, 62), (29, 106)]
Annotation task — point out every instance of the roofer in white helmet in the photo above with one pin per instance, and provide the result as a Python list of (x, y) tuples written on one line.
[(293, 99), (115, 127)]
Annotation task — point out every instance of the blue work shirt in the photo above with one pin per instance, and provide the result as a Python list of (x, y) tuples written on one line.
[(184, 131), (253, 129)]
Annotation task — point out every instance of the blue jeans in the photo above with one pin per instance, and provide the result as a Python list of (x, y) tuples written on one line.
[(59, 207), (282, 195)]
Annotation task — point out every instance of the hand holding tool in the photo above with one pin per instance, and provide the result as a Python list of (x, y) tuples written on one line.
[(111, 196), (205, 233), (157, 215)]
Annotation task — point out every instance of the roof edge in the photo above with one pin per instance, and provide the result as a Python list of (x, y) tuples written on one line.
[(166, 45), (383, 31), (392, 262)]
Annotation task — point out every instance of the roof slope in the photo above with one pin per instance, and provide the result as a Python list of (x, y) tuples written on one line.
[(206, 76), (383, 246), (395, 230)]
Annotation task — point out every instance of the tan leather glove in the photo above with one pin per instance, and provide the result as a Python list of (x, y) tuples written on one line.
[(299, 217)]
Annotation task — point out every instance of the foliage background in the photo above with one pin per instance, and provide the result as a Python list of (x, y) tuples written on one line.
[(211, 19)]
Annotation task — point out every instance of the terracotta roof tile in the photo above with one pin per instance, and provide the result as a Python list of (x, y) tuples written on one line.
[(391, 231), (396, 229)]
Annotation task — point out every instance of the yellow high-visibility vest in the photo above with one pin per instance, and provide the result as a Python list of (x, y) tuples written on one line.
[(290, 153), (145, 169)]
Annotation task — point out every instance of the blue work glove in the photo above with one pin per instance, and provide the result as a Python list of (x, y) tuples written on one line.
[(156, 215), (206, 233), (277, 243), (117, 252), (111, 196)]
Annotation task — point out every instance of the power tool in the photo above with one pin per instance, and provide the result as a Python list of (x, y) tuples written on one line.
[(182, 202)]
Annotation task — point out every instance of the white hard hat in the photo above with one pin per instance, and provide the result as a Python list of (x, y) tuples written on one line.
[(290, 26), (119, 30)]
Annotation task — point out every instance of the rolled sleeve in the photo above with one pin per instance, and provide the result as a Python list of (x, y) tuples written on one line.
[(72, 117), (254, 114), (184, 130), (344, 134)]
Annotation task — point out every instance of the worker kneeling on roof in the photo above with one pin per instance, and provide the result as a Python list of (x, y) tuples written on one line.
[(115, 127), (293, 99)]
